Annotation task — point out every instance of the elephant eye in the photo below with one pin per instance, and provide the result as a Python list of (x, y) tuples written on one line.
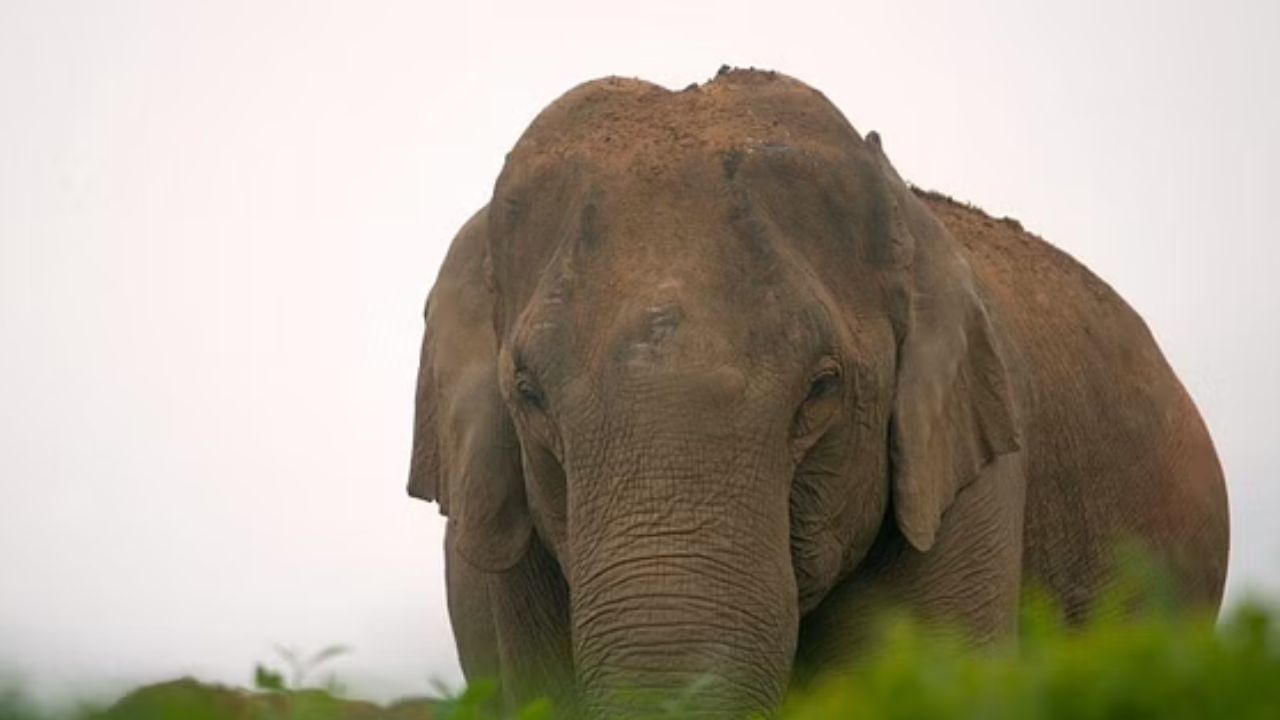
[(824, 384), (818, 408), (528, 390)]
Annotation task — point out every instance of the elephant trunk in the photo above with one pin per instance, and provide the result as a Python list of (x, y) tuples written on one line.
[(682, 589)]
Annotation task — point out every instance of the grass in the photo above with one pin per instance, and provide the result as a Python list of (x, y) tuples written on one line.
[(1155, 666), (1158, 664)]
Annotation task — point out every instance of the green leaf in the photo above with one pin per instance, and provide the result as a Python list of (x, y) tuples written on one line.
[(540, 709), (265, 678), (326, 654)]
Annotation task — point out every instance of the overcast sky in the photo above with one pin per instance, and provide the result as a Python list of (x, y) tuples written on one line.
[(218, 222)]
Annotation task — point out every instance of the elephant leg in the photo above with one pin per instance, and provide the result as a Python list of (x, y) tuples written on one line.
[(471, 615), (513, 626), (970, 580)]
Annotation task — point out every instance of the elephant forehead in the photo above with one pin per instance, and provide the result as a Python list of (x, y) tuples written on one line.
[(644, 333), (689, 343), (638, 125)]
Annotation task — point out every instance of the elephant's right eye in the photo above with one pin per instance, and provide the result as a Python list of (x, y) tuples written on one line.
[(528, 390)]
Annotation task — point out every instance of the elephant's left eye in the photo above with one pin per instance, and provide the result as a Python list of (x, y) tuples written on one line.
[(824, 384), (818, 407)]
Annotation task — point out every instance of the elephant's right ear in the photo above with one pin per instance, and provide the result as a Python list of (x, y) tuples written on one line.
[(466, 455), (424, 462)]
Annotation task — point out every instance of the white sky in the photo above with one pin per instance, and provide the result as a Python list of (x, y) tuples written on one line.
[(218, 222)]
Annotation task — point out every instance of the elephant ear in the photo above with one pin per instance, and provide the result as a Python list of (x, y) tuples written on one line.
[(466, 455), (953, 409)]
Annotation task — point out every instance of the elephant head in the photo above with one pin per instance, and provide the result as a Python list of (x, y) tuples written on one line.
[(712, 345)]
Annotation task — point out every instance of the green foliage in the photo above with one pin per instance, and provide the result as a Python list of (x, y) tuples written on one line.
[(300, 668), (478, 701), (265, 678), (1158, 664)]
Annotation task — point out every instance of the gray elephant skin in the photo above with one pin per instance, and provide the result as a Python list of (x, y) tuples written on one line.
[(707, 386)]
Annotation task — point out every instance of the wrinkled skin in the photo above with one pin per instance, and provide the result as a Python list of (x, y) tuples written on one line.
[(706, 385)]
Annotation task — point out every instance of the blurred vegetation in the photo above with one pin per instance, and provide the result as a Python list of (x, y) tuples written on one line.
[(1156, 663), (1153, 666)]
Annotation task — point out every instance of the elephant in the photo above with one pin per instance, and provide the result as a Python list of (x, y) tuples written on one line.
[(706, 386)]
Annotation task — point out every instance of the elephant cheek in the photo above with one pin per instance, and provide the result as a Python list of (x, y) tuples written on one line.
[(816, 557), (838, 506), (545, 490)]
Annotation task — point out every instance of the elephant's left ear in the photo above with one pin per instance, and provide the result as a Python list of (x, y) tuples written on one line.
[(953, 409)]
